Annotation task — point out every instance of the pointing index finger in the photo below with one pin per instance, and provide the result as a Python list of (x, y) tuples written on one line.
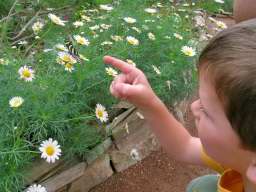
[(117, 63)]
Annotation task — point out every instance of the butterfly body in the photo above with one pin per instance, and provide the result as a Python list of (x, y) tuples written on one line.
[(71, 49)]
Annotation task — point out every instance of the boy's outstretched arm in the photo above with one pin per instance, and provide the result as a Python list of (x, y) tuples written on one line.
[(133, 86)]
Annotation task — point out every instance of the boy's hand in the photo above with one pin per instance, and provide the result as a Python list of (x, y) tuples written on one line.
[(131, 84)]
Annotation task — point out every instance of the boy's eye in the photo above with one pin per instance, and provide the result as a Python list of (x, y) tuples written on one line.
[(202, 108)]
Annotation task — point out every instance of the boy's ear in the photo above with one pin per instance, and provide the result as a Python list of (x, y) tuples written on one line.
[(251, 171)]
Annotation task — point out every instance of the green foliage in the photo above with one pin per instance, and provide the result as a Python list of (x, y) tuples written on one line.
[(213, 7)]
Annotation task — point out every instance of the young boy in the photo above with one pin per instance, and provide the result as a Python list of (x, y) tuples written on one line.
[(224, 113)]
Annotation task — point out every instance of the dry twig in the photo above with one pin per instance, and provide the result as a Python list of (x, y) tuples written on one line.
[(26, 26)]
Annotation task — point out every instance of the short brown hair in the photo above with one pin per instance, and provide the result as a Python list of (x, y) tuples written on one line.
[(230, 61)]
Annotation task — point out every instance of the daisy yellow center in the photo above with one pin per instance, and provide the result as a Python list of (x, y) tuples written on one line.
[(50, 150), (16, 103), (69, 65), (26, 73), (189, 52), (100, 113), (81, 40), (56, 20), (66, 58)]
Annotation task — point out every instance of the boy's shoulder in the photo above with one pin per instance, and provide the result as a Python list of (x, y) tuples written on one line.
[(206, 183)]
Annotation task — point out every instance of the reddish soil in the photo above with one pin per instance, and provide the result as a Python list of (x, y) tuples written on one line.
[(156, 173)]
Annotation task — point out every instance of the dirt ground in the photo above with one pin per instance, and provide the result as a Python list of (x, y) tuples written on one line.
[(157, 172)]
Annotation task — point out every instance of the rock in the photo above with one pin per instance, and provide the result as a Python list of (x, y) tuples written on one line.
[(40, 170), (133, 145), (98, 150), (124, 124), (58, 182), (94, 174)]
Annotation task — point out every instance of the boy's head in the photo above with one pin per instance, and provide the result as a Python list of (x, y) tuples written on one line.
[(227, 71), (229, 60)]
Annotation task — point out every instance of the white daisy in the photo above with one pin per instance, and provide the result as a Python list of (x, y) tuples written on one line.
[(95, 27), (26, 73), (36, 188), (66, 57), (159, 5), (4, 61), (188, 51), (131, 62), (56, 19), (185, 5), (221, 25), (78, 24), (69, 67), (136, 29), (112, 72), (105, 26), (129, 20), (178, 36), (151, 36), (81, 40), (106, 43), (15, 102), (60, 61), (145, 27), (61, 47), (116, 38), (22, 42), (150, 10), (101, 113), (50, 150), (219, 1), (157, 70), (37, 27), (47, 50), (132, 40), (86, 18), (106, 7), (102, 17)]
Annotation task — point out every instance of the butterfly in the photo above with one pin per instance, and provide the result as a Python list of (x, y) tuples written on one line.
[(71, 49)]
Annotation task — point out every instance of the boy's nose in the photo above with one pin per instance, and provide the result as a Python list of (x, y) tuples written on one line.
[(195, 108)]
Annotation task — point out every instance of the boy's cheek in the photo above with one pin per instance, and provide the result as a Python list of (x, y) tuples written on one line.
[(210, 139)]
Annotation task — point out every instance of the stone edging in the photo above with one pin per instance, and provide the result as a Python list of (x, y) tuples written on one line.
[(131, 141)]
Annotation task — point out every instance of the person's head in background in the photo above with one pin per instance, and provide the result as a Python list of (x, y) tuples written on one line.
[(226, 111), (244, 10)]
